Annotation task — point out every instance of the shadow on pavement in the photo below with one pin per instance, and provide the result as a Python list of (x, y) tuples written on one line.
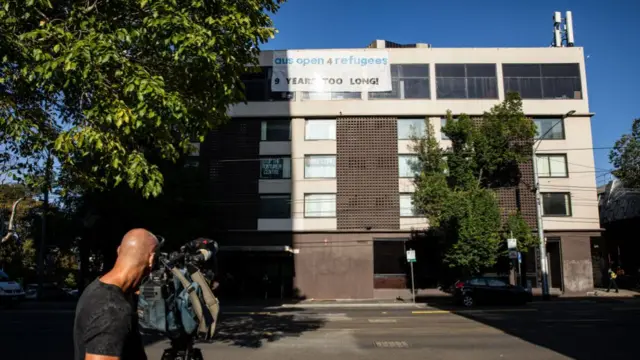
[(578, 327), (255, 328)]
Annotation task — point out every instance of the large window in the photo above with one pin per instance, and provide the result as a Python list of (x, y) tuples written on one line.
[(257, 86), (319, 166), (466, 81), (275, 130), (410, 127), (408, 81), (549, 129), (543, 81), (335, 95), (407, 165), (389, 257), (275, 167), (552, 165), (556, 204), (320, 129), (407, 208), (320, 205), (274, 206)]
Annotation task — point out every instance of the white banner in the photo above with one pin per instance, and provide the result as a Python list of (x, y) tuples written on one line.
[(331, 70)]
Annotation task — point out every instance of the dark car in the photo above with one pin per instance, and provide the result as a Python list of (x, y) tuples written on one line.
[(489, 291)]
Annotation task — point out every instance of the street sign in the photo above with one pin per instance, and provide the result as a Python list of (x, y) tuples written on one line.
[(512, 244), (411, 256), (513, 254)]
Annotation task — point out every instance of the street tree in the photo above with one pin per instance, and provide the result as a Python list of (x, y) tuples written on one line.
[(625, 157), (104, 89), (455, 188)]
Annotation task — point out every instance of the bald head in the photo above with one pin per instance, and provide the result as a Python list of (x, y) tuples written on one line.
[(137, 250)]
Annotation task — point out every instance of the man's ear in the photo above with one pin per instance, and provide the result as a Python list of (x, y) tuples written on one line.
[(152, 259), (118, 251)]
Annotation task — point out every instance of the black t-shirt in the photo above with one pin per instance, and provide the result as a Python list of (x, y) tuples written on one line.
[(106, 324)]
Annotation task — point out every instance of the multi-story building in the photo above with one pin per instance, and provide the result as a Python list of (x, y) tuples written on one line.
[(313, 189)]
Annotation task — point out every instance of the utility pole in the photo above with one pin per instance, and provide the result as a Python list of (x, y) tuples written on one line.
[(45, 212), (544, 266)]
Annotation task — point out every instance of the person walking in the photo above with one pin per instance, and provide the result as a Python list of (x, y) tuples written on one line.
[(612, 280), (106, 323)]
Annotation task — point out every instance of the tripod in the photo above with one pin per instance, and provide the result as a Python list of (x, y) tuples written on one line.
[(182, 349)]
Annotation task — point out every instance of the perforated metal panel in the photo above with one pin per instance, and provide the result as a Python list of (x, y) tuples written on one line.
[(232, 152), (367, 173)]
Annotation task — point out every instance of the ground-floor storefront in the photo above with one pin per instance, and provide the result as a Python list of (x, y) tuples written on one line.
[(364, 265)]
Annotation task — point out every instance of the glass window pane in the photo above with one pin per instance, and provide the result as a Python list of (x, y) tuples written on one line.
[(549, 129), (275, 130), (450, 70), (320, 129), (406, 206), (393, 94), (496, 283), (451, 88), (482, 88), (275, 206), (560, 70), (407, 165), (414, 70), (527, 87), (320, 205), (520, 70), (275, 168), (543, 166), (416, 88), (320, 166), (481, 70), (556, 204), (410, 127), (557, 166), (561, 88)]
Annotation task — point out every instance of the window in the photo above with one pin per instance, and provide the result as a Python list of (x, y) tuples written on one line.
[(408, 81), (275, 130), (549, 129), (406, 206), (443, 123), (319, 166), (407, 165), (556, 204), (327, 95), (478, 282), (275, 168), (275, 206), (324, 129), (319, 205), (389, 257), (552, 165), (496, 283), (466, 81), (410, 127), (543, 81), (257, 86)]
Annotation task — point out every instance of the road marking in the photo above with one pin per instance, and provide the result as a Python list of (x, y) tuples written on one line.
[(420, 312), (385, 321)]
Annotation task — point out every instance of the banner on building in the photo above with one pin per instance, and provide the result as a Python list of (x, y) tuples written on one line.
[(331, 71)]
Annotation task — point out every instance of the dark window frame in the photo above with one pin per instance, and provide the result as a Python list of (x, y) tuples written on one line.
[(260, 209), (304, 201), (540, 75), (568, 205), (566, 165), (398, 77), (261, 80), (466, 78), (561, 126), (267, 121), (264, 157), (304, 165)]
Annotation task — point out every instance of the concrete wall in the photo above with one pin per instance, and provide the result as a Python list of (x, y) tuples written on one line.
[(577, 269)]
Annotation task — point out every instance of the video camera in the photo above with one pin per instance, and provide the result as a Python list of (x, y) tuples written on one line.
[(177, 301)]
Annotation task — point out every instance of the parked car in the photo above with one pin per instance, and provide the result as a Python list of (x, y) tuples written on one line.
[(10, 291), (489, 291), (50, 292)]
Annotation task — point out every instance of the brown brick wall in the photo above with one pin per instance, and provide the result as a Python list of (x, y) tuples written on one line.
[(367, 173), (232, 153)]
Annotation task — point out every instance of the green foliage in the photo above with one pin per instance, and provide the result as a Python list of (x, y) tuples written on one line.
[(517, 227), (106, 86), (455, 188), (625, 157)]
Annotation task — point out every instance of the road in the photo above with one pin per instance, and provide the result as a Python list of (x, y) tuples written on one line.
[(556, 330)]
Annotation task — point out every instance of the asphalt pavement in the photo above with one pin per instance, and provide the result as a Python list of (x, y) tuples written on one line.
[(554, 330)]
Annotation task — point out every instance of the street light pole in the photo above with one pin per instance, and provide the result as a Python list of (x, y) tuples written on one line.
[(544, 266)]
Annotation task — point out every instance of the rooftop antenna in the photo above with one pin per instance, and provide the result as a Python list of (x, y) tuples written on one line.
[(562, 32)]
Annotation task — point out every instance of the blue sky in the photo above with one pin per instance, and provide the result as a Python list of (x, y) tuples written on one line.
[(609, 32)]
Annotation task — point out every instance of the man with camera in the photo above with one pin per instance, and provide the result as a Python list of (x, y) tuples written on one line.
[(106, 325)]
